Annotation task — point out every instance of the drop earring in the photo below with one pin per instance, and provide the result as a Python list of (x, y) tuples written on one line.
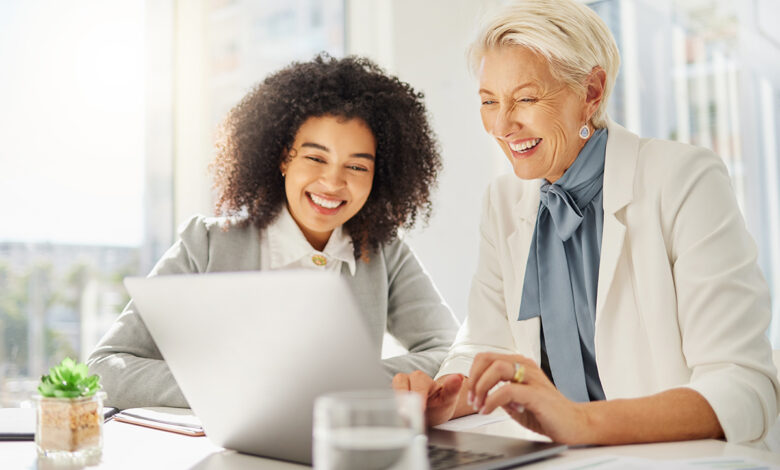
[(584, 132)]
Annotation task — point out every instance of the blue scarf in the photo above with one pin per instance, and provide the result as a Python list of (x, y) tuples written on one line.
[(561, 277)]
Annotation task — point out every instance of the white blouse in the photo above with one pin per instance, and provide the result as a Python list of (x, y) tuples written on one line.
[(283, 246)]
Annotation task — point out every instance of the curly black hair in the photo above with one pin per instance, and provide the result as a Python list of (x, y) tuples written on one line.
[(259, 131)]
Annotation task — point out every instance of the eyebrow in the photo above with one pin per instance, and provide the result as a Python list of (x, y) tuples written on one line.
[(326, 149), (524, 85)]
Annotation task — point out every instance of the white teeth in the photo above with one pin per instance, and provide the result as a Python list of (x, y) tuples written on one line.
[(522, 147), (326, 203)]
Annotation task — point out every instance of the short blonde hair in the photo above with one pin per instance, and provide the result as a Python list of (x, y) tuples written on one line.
[(567, 33)]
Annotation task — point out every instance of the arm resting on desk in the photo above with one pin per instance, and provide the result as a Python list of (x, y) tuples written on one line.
[(131, 368), (672, 415), (417, 316)]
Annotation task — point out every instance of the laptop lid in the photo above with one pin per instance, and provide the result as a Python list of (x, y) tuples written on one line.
[(251, 351)]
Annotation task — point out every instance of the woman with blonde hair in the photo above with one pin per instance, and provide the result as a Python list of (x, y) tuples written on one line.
[(617, 297)]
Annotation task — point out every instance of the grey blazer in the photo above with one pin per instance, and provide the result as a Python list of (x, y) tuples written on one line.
[(392, 290)]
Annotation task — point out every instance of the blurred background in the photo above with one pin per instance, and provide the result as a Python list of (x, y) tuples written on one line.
[(108, 113)]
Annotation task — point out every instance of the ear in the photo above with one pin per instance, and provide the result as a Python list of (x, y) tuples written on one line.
[(287, 155), (594, 90)]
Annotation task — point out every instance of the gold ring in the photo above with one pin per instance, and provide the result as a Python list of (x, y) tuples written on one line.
[(519, 373)]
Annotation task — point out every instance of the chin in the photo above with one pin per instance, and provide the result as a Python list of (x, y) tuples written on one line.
[(525, 173)]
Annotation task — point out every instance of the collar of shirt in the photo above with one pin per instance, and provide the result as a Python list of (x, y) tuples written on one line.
[(288, 246)]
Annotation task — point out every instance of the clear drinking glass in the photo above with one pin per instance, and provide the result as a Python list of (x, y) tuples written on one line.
[(369, 430)]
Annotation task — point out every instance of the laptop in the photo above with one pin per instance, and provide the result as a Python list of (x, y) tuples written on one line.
[(252, 350)]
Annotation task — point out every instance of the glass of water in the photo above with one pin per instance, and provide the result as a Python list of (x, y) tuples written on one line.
[(369, 430)]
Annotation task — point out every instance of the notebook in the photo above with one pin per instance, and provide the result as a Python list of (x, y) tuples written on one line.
[(177, 420), (252, 350)]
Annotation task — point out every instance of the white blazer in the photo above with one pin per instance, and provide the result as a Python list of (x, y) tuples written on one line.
[(680, 301)]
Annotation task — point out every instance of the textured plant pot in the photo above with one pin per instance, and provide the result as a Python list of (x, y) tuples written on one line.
[(69, 428)]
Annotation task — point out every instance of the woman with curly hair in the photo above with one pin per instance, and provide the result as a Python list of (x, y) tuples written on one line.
[(318, 167)]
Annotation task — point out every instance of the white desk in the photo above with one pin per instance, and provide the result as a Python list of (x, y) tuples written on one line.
[(127, 446)]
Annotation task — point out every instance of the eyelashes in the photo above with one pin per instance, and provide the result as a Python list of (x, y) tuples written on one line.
[(519, 100), (323, 161)]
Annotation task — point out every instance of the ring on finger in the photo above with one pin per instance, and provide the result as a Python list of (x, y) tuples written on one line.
[(519, 373)]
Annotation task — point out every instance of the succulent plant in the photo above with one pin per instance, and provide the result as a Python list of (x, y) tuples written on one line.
[(69, 380)]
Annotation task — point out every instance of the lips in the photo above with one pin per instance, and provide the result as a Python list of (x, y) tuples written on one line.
[(524, 145), (324, 204), (522, 149)]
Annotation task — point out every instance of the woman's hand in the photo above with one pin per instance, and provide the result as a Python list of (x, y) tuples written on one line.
[(534, 402), (439, 397)]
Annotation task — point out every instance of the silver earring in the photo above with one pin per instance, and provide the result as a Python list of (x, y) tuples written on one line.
[(584, 132)]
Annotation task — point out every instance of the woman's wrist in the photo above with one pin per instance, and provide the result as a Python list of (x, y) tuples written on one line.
[(462, 408), (611, 422), (594, 423)]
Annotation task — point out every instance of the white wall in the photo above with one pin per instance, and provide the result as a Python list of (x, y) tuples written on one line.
[(424, 43)]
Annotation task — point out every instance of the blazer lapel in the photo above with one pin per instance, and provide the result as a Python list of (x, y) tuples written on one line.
[(619, 168), (519, 241)]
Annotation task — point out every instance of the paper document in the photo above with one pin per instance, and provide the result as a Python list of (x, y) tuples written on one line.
[(612, 462), (178, 420), (472, 421)]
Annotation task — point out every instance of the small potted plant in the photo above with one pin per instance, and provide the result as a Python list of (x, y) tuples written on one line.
[(69, 413)]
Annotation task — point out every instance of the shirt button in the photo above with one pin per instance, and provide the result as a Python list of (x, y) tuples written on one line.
[(319, 260)]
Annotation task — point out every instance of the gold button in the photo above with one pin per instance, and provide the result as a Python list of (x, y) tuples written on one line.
[(319, 260)]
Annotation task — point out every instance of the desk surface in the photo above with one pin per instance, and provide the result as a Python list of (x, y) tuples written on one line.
[(130, 446)]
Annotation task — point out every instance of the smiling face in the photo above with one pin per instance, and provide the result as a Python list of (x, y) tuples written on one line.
[(328, 177), (534, 117)]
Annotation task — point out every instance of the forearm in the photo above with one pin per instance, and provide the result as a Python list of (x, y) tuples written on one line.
[(131, 368), (131, 381), (417, 316), (673, 415), (426, 361)]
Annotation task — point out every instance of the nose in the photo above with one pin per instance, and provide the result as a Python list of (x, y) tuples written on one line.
[(333, 178), (504, 123)]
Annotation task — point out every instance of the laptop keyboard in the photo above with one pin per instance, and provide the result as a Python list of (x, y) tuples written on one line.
[(442, 458)]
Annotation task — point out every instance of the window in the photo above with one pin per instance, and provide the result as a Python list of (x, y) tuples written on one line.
[(71, 178), (107, 126), (707, 72)]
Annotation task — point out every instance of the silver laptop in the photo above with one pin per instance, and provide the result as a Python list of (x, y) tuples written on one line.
[(252, 350)]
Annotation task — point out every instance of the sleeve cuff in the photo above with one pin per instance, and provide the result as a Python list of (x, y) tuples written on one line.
[(455, 365), (741, 413)]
